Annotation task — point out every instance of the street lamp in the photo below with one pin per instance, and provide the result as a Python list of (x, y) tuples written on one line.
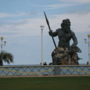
[(42, 27), (88, 42), (2, 43)]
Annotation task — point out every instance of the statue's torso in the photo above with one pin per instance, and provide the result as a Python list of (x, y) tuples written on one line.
[(64, 38)]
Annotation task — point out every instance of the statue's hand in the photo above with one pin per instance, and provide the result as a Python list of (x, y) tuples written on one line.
[(73, 45), (75, 48), (50, 32)]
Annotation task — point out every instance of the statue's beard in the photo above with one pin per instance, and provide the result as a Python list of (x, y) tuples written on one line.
[(66, 30)]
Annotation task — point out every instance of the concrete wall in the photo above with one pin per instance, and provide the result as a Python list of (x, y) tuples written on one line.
[(44, 70)]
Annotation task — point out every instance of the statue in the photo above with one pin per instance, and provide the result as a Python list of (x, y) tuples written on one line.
[(64, 53)]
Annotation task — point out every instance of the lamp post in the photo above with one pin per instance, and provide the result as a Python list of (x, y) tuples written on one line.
[(88, 42), (2, 43), (42, 27)]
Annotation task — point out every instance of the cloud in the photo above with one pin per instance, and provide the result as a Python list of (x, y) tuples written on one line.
[(31, 27), (24, 27), (7, 15), (55, 6), (69, 7), (80, 1), (79, 22)]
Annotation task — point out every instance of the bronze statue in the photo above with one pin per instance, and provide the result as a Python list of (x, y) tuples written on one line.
[(64, 54)]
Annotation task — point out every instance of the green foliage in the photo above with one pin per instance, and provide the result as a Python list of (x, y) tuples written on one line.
[(5, 57)]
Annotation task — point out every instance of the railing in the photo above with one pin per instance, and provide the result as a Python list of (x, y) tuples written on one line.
[(51, 70)]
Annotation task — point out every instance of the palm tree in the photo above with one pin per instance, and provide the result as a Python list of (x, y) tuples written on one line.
[(5, 57)]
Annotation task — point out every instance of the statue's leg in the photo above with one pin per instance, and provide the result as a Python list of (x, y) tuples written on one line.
[(53, 61)]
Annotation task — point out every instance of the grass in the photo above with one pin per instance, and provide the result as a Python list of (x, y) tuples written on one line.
[(45, 83)]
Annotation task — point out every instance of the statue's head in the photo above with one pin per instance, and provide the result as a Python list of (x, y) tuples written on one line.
[(66, 24)]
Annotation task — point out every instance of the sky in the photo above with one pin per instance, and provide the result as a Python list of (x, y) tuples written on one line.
[(20, 22)]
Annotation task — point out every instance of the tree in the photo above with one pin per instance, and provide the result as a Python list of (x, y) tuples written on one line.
[(5, 57)]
